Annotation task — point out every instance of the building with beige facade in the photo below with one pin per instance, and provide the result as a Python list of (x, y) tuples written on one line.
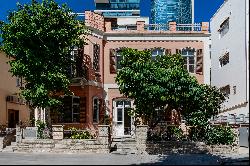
[(12, 108)]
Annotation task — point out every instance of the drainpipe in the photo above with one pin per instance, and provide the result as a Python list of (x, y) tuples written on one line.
[(246, 52)]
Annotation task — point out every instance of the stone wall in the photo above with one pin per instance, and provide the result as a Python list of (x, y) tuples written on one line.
[(63, 146), (188, 147), (58, 144), (181, 147)]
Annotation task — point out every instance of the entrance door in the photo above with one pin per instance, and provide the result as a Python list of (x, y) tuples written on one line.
[(122, 121), (13, 118)]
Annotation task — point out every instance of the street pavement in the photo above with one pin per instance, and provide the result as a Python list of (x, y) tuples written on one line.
[(17, 158)]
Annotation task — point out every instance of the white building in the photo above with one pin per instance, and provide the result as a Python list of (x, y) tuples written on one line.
[(230, 55)]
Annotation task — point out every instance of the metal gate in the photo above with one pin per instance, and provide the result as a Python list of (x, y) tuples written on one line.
[(244, 136)]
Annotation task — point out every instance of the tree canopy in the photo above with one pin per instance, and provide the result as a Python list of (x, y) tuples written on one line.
[(164, 83), (39, 38)]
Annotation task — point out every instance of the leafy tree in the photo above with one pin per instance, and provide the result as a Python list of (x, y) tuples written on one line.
[(164, 84), (39, 38)]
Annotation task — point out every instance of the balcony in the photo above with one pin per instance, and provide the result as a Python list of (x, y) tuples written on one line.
[(171, 27)]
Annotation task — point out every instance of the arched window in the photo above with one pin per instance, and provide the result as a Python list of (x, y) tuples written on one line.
[(189, 60), (96, 110)]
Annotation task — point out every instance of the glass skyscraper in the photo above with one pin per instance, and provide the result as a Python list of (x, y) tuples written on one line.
[(164, 11), (118, 8)]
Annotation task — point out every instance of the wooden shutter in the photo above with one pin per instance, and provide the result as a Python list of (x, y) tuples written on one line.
[(83, 109), (199, 62), (101, 111), (168, 51), (112, 61), (178, 51)]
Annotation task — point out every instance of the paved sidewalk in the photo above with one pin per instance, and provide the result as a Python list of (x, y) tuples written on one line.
[(242, 158), (105, 159), (115, 159)]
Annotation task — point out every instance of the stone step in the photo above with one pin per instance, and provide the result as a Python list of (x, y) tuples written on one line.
[(8, 149)]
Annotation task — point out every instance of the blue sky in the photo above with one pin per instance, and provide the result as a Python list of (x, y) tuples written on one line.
[(204, 9)]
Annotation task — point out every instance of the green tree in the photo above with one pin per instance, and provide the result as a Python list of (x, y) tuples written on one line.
[(39, 38), (164, 83)]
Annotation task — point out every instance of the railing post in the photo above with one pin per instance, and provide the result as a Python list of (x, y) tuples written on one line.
[(103, 136), (18, 134), (57, 131), (204, 26), (140, 25), (108, 26), (172, 26), (141, 138)]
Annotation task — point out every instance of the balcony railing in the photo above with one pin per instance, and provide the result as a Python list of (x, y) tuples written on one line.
[(156, 27), (188, 27), (197, 27)]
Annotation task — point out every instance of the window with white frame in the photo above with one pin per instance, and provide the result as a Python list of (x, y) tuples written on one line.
[(189, 60), (96, 109), (157, 52), (224, 27)]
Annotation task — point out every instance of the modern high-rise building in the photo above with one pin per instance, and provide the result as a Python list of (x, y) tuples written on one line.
[(179, 11), (117, 8), (120, 12)]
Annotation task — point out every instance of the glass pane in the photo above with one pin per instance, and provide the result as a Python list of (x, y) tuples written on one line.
[(76, 99), (76, 109), (119, 58), (119, 114), (119, 104), (190, 52), (76, 117), (127, 103), (95, 110), (185, 60), (184, 52), (191, 60), (191, 68)]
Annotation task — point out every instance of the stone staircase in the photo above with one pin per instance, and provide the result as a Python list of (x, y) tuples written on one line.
[(123, 145)]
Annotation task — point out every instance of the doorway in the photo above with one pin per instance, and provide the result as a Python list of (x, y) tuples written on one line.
[(121, 119), (13, 118)]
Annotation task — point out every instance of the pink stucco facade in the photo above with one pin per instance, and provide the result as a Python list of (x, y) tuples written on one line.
[(102, 34)]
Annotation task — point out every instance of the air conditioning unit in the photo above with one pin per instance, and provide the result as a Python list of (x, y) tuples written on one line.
[(15, 99)]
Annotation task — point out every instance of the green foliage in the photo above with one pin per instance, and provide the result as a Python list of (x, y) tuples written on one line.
[(80, 135), (219, 135), (39, 37), (43, 130), (173, 133), (164, 83), (106, 120)]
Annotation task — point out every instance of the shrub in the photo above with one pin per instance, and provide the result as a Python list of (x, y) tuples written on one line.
[(43, 130), (80, 135), (173, 133), (219, 135)]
